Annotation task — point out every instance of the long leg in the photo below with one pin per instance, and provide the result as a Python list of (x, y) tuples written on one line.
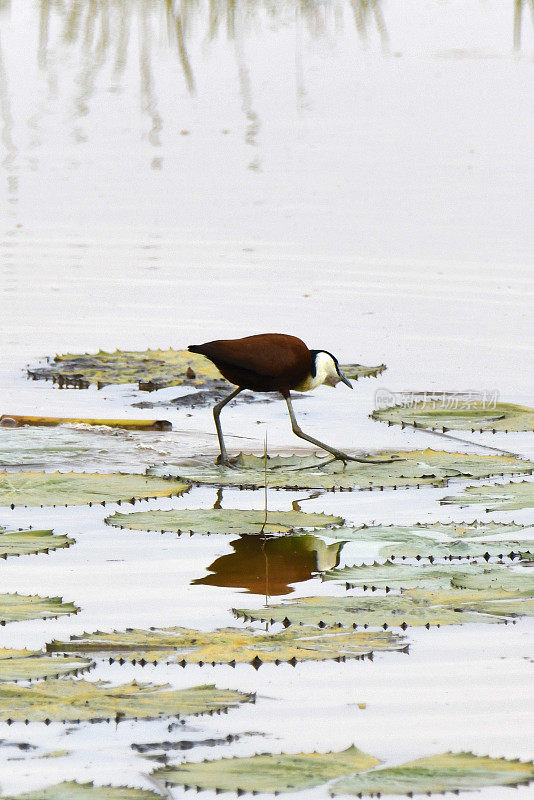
[(338, 454), (223, 458), (297, 430)]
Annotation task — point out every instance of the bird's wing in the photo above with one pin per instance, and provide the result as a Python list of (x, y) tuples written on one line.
[(269, 354)]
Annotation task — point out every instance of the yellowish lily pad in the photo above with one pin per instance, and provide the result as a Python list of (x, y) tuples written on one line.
[(19, 607), (71, 790), (79, 488), (448, 772), (67, 700), (451, 413), (228, 646), (268, 773), (24, 665), (30, 542), (406, 468), (232, 521)]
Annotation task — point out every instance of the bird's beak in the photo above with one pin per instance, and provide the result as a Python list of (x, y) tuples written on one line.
[(345, 380)]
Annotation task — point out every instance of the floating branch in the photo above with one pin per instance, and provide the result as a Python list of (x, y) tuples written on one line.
[(16, 420)]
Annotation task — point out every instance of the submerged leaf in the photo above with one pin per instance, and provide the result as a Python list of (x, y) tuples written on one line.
[(229, 645), (448, 772), (268, 773), (19, 607), (24, 665), (456, 540), (78, 488), (18, 543), (509, 497), (233, 521), (67, 700), (411, 468), (71, 790), (469, 415)]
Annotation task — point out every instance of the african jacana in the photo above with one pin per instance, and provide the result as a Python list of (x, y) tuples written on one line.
[(272, 362)]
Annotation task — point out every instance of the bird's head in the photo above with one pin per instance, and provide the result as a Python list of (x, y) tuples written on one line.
[(325, 369)]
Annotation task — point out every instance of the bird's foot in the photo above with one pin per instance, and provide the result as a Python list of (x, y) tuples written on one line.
[(224, 461)]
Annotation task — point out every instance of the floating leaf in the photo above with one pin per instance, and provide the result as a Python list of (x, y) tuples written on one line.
[(19, 607), (18, 543), (67, 700), (458, 540), (429, 576), (509, 497), (153, 369), (71, 790), (232, 521), (127, 424), (451, 413), (411, 468), (424, 609), (78, 488), (356, 371), (448, 772), (24, 665), (228, 646), (268, 773)]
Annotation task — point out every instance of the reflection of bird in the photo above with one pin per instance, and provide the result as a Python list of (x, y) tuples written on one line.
[(272, 362), (265, 565)]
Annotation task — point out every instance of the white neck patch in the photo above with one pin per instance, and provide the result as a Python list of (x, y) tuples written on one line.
[(325, 369)]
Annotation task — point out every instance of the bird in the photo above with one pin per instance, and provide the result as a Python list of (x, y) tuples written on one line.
[(273, 362)]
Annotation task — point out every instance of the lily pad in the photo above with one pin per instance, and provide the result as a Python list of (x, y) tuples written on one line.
[(79, 488), (411, 609), (411, 468), (150, 369), (457, 540), (71, 790), (228, 646), (24, 665), (268, 773), (19, 607), (509, 497), (67, 700), (450, 413), (428, 576), (231, 521), (18, 543), (448, 772)]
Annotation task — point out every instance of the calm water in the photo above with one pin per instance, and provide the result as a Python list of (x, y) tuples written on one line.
[(358, 173)]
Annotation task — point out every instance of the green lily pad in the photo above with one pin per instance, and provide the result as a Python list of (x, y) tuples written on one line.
[(233, 521), (19, 607), (509, 497), (458, 540), (412, 468), (24, 665), (71, 790), (448, 772), (67, 700), (228, 646), (267, 773), (453, 413), (79, 488), (150, 369), (18, 543), (411, 609), (430, 576)]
